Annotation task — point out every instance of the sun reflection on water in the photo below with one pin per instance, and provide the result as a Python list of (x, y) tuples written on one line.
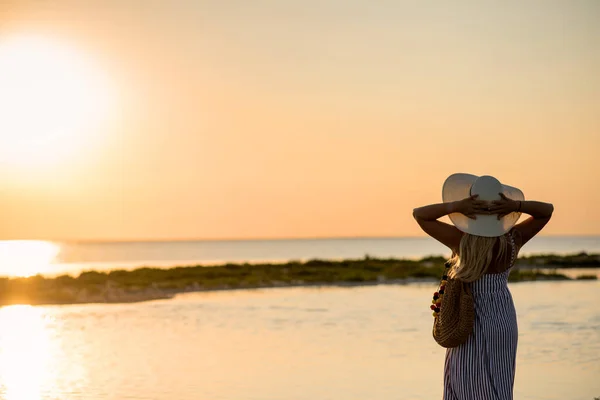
[(25, 353), (26, 257)]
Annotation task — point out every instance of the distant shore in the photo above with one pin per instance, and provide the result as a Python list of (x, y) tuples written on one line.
[(144, 284)]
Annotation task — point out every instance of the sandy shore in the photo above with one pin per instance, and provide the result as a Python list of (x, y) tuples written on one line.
[(114, 295)]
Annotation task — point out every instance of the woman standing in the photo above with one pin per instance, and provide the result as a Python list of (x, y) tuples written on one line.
[(485, 242)]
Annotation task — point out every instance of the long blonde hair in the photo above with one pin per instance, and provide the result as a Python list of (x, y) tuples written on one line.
[(475, 255)]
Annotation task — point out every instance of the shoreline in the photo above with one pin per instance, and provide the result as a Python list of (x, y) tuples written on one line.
[(166, 294), (147, 284)]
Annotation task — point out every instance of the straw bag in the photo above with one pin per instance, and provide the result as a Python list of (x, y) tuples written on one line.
[(455, 316)]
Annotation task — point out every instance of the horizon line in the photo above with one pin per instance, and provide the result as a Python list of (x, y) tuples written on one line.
[(257, 239)]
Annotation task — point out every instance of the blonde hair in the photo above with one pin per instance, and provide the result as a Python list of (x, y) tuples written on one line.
[(475, 255)]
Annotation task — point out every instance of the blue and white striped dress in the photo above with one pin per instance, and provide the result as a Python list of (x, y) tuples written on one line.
[(484, 366)]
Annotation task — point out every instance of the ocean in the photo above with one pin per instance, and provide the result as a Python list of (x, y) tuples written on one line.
[(356, 343), (302, 343), (53, 258)]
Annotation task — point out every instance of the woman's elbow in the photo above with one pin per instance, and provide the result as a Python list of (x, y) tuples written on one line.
[(416, 214)]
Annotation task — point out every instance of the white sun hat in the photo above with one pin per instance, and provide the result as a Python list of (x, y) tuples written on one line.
[(460, 186)]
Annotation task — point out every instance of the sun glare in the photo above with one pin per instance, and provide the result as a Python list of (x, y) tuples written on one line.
[(52, 98), (26, 257), (25, 353)]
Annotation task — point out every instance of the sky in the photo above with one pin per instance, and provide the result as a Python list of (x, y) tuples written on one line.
[(289, 119)]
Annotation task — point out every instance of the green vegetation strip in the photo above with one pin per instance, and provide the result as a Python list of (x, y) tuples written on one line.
[(155, 283)]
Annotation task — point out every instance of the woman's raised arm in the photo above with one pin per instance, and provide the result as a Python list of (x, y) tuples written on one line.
[(540, 215), (449, 235)]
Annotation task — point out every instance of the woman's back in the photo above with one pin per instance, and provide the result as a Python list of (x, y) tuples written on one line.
[(483, 367)]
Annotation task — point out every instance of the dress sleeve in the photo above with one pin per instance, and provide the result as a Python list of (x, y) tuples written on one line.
[(518, 238)]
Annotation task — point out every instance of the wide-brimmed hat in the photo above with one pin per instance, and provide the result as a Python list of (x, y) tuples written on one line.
[(460, 186)]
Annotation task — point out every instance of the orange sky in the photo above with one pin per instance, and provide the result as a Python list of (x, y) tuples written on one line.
[(310, 119)]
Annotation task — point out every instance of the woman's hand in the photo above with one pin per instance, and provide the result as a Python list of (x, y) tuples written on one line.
[(471, 206), (504, 206)]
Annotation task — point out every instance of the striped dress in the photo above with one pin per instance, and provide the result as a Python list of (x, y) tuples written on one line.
[(484, 366)]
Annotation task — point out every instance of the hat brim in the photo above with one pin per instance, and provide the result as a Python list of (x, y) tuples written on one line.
[(458, 187)]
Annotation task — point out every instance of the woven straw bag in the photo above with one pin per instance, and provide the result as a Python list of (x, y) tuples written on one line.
[(454, 322)]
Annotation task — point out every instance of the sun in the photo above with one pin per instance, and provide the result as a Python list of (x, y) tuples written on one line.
[(52, 99), (27, 257)]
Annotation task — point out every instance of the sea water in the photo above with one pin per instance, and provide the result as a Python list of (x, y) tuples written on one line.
[(371, 342)]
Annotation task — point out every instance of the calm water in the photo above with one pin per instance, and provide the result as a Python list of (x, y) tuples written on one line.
[(285, 344), (30, 257)]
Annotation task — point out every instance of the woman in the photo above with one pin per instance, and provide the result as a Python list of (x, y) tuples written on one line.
[(485, 242)]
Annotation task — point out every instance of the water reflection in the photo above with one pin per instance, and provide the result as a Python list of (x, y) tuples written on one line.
[(369, 342), (26, 257), (25, 353)]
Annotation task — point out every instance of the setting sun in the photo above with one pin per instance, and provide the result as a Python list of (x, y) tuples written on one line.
[(51, 101), (26, 257)]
